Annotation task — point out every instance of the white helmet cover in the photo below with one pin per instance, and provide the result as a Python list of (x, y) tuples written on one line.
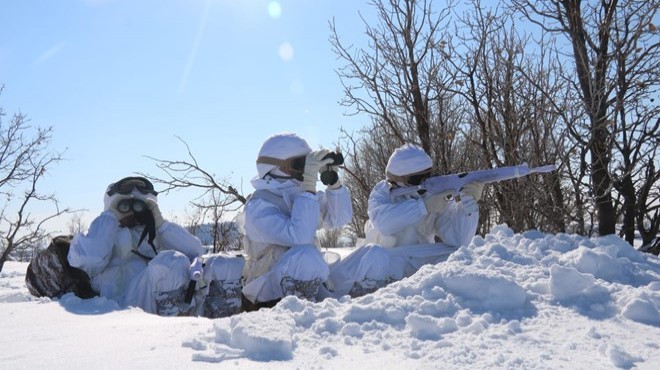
[(281, 146), (408, 159)]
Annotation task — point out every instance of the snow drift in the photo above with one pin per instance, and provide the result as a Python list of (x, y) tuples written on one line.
[(529, 300)]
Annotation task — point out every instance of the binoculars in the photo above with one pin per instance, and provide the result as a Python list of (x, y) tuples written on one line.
[(295, 167), (328, 176), (130, 204)]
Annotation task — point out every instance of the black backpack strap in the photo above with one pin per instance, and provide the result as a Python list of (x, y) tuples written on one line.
[(147, 219), (144, 257)]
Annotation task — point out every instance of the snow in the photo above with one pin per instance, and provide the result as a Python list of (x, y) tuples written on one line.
[(507, 300)]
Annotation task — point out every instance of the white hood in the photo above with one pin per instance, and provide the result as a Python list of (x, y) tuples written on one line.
[(408, 159)]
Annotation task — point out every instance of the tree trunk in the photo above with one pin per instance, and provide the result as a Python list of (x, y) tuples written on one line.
[(602, 182), (592, 87), (629, 207), (5, 256), (557, 200)]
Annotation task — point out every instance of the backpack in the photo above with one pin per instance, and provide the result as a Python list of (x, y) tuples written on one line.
[(50, 275)]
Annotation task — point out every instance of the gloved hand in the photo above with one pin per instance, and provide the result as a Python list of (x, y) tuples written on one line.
[(473, 189), (155, 211), (313, 162), (470, 205), (115, 211), (436, 203)]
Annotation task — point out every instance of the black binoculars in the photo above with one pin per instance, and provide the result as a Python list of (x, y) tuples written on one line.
[(328, 176), (337, 158), (130, 204)]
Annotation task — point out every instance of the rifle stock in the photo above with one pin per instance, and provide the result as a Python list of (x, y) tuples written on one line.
[(455, 182)]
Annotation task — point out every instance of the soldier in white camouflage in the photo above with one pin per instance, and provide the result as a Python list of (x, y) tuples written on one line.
[(282, 216), (135, 257)]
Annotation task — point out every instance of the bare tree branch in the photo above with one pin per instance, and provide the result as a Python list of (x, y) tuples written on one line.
[(24, 161), (181, 174)]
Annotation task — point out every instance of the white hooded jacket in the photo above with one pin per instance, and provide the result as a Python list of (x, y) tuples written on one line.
[(401, 233), (280, 215), (404, 220), (106, 253)]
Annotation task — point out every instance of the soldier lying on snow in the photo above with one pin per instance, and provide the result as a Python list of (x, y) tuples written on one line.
[(402, 229), (135, 257)]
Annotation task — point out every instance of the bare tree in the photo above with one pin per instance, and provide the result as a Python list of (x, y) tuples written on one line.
[(214, 207), (329, 238), (194, 220), (414, 78), (231, 236), (614, 50), (184, 174), (396, 83), (484, 103), (516, 102), (636, 49), (26, 252), (76, 224), (221, 197), (648, 213), (24, 161), (366, 158)]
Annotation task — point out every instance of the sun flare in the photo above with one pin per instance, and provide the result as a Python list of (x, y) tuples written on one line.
[(274, 9)]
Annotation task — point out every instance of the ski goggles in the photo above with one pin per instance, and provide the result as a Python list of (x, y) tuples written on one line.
[(130, 204), (126, 186), (294, 166), (412, 179)]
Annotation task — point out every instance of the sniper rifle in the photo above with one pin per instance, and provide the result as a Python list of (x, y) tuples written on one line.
[(455, 182)]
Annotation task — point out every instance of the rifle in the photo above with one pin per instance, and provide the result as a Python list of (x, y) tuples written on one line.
[(455, 182)]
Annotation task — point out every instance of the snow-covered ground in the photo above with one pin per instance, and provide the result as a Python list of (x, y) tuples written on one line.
[(508, 300)]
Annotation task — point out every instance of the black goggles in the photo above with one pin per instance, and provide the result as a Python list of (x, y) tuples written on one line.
[(417, 179), (294, 166), (126, 185), (412, 179), (129, 204)]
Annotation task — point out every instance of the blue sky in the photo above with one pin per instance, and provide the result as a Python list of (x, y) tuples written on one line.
[(118, 80)]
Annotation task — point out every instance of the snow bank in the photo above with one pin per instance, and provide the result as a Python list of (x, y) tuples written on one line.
[(265, 337), (507, 300), (502, 288)]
